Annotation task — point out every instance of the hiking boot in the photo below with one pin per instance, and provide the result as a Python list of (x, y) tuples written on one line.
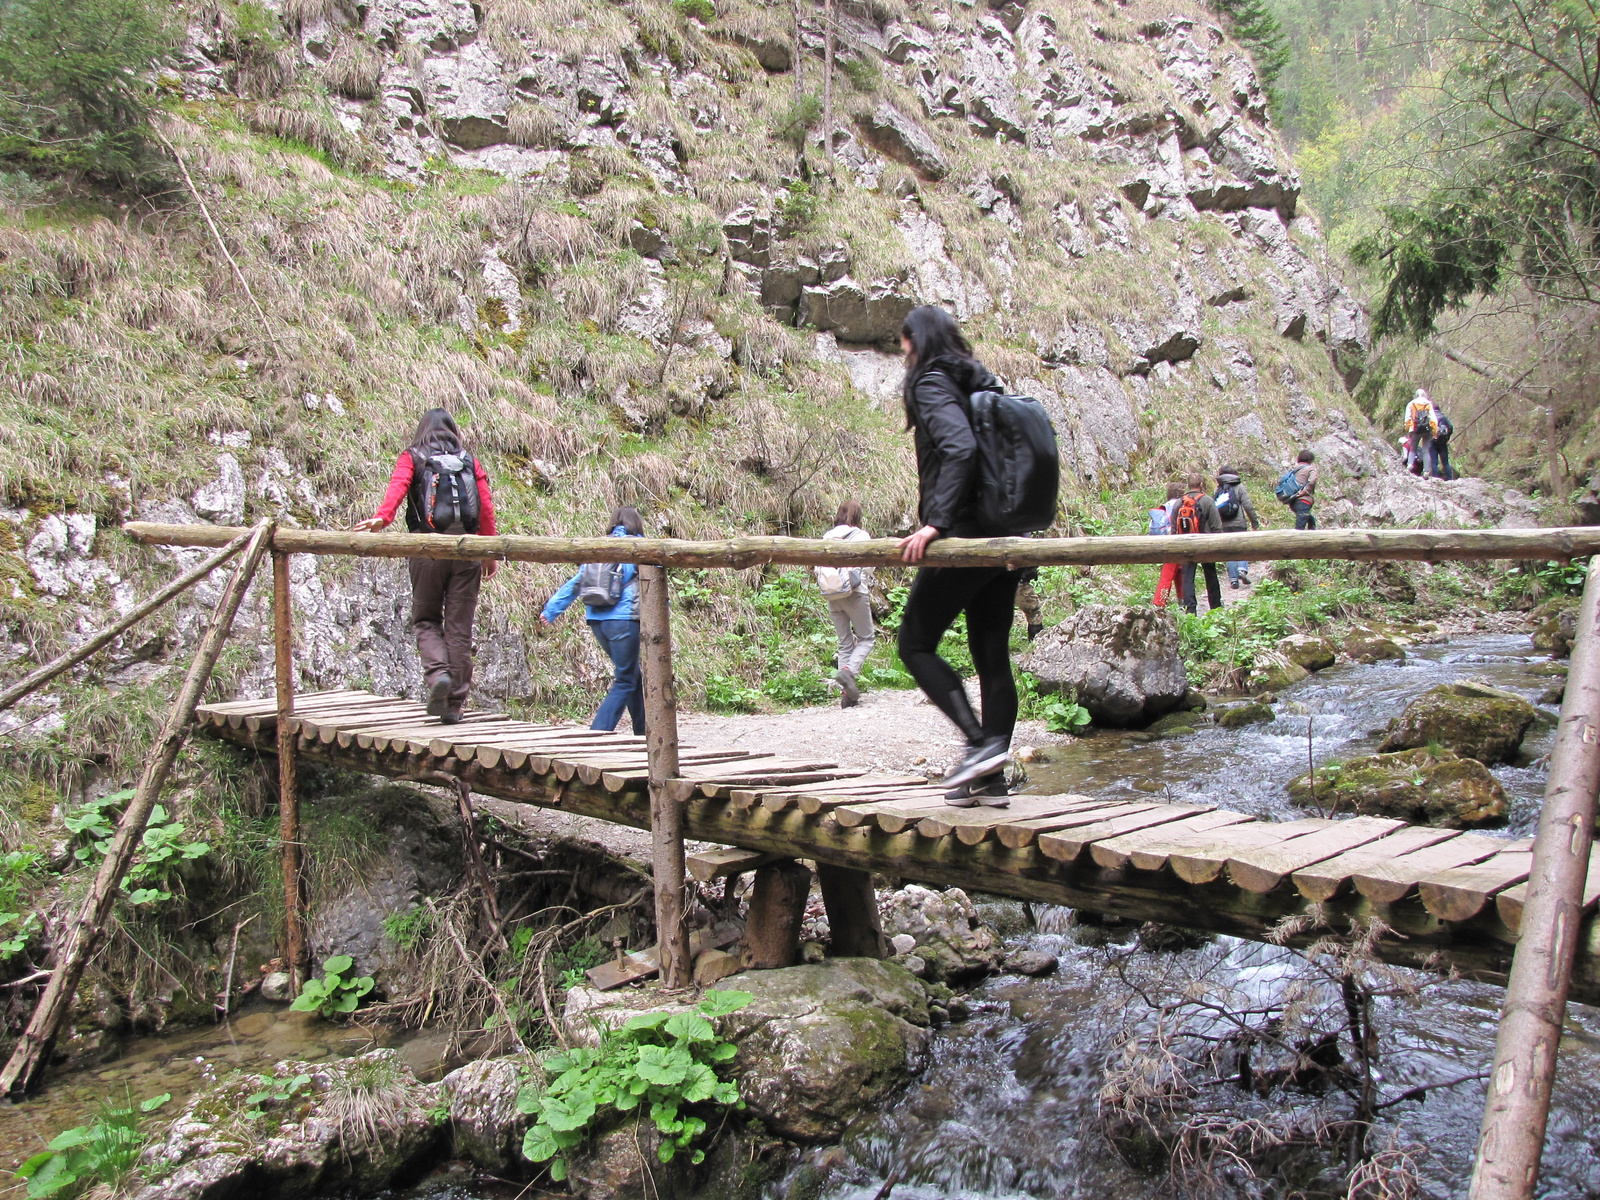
[(439, 696), (987, 757), (1245, 579), (989, 790), (1234, 584), (852, 693), (1034, 630)]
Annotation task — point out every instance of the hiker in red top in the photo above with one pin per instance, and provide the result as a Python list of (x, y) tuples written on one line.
[(446, 491)]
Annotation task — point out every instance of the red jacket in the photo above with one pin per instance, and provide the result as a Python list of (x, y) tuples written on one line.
[(400, 484)]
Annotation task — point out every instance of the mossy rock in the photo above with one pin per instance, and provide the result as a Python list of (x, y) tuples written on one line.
[(1245, 714), (1475, 720), (1175, 724), (1311, 653), (1422, 786), (1550, 667), (1365, 646), (1274, 677)]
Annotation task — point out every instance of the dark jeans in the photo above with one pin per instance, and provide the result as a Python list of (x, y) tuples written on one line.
[(1439, 458), (620, 640), (444, 597), (988, 596), (1303, 517), (1213, 586)]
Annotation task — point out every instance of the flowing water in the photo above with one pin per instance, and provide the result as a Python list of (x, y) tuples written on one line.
[(1007, 1108)]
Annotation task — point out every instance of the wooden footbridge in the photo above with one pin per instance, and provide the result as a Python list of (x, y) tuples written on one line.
[(1522, 912), (1453, 899)]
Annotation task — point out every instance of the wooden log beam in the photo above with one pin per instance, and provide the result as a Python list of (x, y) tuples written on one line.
[(1480, 948), (777, 909), (37, 679), (1354, 544), (294, 923), (661, 745), (855, 927), (1511, 1139), (81, 936)]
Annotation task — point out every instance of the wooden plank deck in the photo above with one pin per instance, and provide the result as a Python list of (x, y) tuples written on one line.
[(1450, 898)]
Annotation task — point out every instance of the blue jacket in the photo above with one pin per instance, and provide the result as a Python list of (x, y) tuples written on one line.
[(625, 609)]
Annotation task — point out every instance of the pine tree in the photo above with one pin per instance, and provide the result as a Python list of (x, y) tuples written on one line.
[(1252, 22)]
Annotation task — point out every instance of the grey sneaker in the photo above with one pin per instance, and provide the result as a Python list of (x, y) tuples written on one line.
[(439, 696), (987, 757), (990, 791), (852, 693)]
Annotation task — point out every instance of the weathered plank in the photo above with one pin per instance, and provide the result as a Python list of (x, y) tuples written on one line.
[(1325, 879), (1146, 849), (973, 825), (1065, 845), (894, 815), (1459, 893), (1389, 882), (1509, 902), (724, 861), (718, 785), (1205, 856), (1020, 834), (1262, 868)]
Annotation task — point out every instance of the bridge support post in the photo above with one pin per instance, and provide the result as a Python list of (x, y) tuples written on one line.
[(1511, 1140), (854, 927), (294, 932), (777, 910), (661, 746)]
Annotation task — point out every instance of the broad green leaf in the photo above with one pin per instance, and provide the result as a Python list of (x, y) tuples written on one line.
[(626, 1101), (53, 1176), (69, 1138), (538, 1145), (722, 1052), (155, 1102), (558, 1170), (666, 1151), (721, 1003), (572, 1111), (652, 1020), (691, 1027), (662, 1067), (528, 1097), (700, 1084), (338, 964)]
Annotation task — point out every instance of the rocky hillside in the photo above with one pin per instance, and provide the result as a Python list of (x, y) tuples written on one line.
[(615, 239)]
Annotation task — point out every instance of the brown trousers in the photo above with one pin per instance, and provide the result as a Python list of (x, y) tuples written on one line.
[(444, 597)]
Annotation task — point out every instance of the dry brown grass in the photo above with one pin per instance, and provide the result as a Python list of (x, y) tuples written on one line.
[(354, 68)]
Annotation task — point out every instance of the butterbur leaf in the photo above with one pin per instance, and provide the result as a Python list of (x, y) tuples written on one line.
[(720, 1004), (698, 1157), (722, 1052), (691, 1027), (558, 1170), (538, 1145), (700, 1084), (68, 1138), (50, 1176), (626, 1101), (662, 1067), (572, 1111), (665, 1115), (528, 1098), (665, 1151), (693, 1127), (338, 964), (652, 1020)]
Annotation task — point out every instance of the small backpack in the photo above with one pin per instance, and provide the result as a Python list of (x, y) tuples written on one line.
[(1019, 464), (1288, 486), (444, 493), (600, 585), (1227, 502), (1160, 520), (838, 581), (1189, 515)]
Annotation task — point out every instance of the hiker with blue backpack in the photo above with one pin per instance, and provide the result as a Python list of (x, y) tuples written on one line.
[(1297, 488), (1160, 526), (610, 595), (445, 491), (987, 466), (1238, 514)]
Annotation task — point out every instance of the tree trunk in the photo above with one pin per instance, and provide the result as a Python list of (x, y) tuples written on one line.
[(777, 908), (661, 746), (294, 928), (79, 942)]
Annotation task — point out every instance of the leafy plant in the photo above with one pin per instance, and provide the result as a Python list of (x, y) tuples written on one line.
[(657, 1063), (407, 930), (273, 1090), (1062, 715), (796, 688), (703, 11), (17, 928), (106, 1150), (163, 848), (727, 694), (335, 994)]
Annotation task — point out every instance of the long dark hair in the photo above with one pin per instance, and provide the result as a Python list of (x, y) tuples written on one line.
[(629, 519), (933, 334), (849, 514), (437, 433)]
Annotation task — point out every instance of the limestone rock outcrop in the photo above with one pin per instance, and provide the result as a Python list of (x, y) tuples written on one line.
[(1122, 664), (1420, 786), (1472, 719)]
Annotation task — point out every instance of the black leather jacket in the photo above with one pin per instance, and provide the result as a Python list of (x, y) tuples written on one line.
[(936, 399)]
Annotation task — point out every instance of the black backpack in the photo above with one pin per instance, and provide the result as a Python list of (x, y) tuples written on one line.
[(1019, 466), (444, 493), (600, 585), (1227, 500)]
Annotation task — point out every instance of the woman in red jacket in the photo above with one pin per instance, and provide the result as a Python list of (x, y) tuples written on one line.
[(446, 491)]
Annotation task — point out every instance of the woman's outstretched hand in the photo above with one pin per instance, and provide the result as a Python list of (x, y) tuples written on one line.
[(914, 547), (370, 525), (490, 566)]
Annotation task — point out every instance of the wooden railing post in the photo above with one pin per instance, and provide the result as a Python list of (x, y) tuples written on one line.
[(661, 746), (294, 929), (1518, 1106)]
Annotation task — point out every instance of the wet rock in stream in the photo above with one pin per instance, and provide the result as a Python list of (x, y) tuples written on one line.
[(1421, 786), (945, 930), (1471, 718), (1308, 651), (1122, 663)]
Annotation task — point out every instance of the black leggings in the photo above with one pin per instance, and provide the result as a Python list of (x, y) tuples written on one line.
[(988, 596)]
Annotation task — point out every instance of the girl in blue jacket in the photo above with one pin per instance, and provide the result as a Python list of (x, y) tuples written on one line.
[(616, 628)]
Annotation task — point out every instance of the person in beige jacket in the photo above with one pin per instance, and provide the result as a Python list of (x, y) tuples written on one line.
[(845, 589)]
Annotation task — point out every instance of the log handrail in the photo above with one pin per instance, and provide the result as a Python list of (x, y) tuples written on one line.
[(1428, 545)]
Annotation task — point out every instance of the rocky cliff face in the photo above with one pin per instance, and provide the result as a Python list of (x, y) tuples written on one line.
[(616, 238)]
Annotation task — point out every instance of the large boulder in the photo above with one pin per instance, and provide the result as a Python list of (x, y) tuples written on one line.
[(1123, 664), (1370, 646), (484, 1122), (946, 932), (1475, 720), (1555, 626), (822, 1044), (1422, 786), (1271, 674), (301, 1146), (1308, 651), (868, 315)]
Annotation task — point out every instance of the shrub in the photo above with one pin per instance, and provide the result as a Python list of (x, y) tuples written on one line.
[(157, 863), (703, 11), (335, 994), (106, 1151), (727, 694), (72, 93)]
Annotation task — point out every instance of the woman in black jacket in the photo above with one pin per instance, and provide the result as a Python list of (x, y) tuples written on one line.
[(941, 376)]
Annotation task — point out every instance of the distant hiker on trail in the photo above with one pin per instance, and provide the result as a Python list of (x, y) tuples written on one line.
[(845, 589), (1298, 487), (446, 491), (1197, 513), (1238, 514), (1029, 602), (1439, 449), (943, 385), (1422, 426), (610, 595), (1160, 525)]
